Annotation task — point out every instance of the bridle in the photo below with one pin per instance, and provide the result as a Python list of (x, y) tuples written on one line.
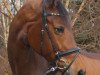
[(59, 54)]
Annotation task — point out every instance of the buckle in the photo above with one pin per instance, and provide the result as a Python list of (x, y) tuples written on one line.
[(61, 64)]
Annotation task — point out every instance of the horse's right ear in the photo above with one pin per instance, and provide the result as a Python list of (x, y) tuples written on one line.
[(23, 35)]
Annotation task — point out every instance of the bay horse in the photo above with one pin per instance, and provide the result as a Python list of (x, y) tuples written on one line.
[(40, 35), (86, 64)]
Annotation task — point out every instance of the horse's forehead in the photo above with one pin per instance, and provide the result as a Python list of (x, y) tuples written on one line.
[(55, 20)]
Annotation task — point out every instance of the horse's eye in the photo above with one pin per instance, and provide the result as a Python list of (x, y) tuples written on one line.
[(59, 30)]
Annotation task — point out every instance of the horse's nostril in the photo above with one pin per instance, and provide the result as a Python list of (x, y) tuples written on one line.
[(81, 72)]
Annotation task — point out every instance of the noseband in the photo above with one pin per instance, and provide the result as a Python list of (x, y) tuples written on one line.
[(59, 54)]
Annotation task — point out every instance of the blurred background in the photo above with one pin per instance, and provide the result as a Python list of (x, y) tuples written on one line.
[(85, 16)]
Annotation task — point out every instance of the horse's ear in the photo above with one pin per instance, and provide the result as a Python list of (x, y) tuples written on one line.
[(23, 35), (52, 2)]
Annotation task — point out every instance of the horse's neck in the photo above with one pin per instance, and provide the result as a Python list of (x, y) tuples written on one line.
[(90, 59), (40, 64), (91, 65)]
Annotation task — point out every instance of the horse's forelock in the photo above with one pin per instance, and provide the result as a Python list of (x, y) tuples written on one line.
[(61, 9), (53, 2)]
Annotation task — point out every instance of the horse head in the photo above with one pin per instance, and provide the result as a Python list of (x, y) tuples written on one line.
[(51, 31), (44, 26)]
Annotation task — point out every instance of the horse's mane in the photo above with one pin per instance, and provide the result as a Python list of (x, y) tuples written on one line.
[(91, 55)]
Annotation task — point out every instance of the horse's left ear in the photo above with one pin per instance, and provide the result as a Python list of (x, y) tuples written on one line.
[(52, 2)]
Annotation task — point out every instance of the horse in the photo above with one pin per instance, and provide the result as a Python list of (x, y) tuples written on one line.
[(86, 64), (40, 38)]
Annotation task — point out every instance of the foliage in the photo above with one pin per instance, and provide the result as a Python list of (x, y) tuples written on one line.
[(87, 27)]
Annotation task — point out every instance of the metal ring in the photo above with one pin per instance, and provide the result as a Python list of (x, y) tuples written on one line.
[(64, 66)]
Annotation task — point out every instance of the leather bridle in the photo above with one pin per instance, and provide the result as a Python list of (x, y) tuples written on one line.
[(59, 54)]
